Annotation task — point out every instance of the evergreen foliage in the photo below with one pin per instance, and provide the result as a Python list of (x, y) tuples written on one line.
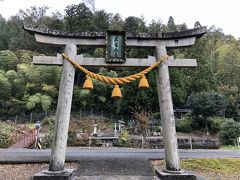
[(229, 132), (211, 89)]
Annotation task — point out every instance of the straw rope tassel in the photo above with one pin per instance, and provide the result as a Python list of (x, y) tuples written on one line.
[(116, 93), (117, 81)]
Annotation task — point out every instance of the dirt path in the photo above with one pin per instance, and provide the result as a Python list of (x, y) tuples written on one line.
[(24, 171)]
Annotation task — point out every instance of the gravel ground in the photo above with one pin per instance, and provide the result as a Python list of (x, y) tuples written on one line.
[(25, 171)]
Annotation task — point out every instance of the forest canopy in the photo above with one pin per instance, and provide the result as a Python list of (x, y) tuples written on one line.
[(27, 88)]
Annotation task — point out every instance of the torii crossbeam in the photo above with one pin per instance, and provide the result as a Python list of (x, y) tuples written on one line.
[(160, 41)]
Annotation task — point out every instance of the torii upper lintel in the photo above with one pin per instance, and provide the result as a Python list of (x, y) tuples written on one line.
[(98, 39)]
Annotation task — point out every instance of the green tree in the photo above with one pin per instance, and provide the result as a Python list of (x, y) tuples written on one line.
[(17, 84), (55, 21), (116, 23), (178, 86), (8, 60), (155, 26), (5, 90), (229, 132), (197, 24), (101, 20), (182, 27), (207, 104), (98, 98), (18, 37), (79, 18), (229, 64), (39, 99), (99, 52), (37, 76), (134, 24), (4, 35), (193, 77), (135, 97), (34, 15), (24, 56), (232, 93), (171, 24)]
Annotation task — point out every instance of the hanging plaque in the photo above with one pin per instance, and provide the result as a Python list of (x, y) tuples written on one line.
[(115, 50)]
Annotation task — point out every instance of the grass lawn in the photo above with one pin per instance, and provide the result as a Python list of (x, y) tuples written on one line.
[(230, 147), (226, 168)]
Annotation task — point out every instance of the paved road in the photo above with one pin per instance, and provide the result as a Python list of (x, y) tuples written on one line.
[(74, 154)]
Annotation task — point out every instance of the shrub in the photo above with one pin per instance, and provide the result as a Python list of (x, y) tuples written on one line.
[(230, 130), (215, 124), (49, 124), (4, 140), (47, 140), (72, 134), (5, 134), (207, 104), (184, 125), (72, 138), (97, 142), (49, 121), (123, 138)]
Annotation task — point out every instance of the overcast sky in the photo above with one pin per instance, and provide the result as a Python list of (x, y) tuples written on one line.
[(223, 14)]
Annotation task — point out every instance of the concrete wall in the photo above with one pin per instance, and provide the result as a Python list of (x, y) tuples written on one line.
[(183, 143), (157, 143)]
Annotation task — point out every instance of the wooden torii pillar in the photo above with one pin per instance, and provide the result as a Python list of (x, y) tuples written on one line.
[(160, 41)]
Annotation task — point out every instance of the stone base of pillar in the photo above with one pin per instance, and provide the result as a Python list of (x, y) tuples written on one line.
[(178, 175), (65, 174)]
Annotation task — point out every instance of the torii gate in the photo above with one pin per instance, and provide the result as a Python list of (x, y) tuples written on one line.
[(160, 41)]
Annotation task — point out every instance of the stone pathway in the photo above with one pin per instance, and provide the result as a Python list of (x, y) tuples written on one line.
[(114, 169)]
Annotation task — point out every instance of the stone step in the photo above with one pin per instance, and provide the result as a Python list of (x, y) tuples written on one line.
[(120, 169), (115, 178)]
